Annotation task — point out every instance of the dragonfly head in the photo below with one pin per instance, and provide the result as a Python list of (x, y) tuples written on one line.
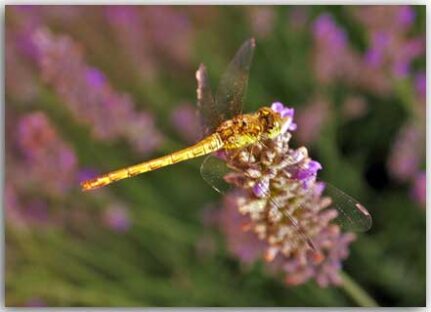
[(271, 122)]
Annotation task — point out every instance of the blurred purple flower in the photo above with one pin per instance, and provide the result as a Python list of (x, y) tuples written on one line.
[(186, 122), (12, 206), (326, 30), (20, 83), (374, 17), (116, 217), (374, 56), (420, 85), (95, 78), (278, 183), (311, 119), (406, 16), (36, 212), (130, 32), (145, 33), (47, 159), (326, 270), (27, 19), (142, 132), (241, 242), (405, 156), (261, 20), (390, 49), (176, 45), (401, 69), (86, 174), (418, 189), (122, 15), (331, 56), (89, 96)]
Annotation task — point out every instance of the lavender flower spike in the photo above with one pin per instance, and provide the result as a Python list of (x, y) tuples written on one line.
[(285, 210), (87, 93), (286, 113)]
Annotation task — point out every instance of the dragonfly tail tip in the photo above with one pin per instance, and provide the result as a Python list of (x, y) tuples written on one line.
[(89, 185)]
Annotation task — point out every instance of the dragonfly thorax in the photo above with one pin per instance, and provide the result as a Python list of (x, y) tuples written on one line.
[(247, 129)]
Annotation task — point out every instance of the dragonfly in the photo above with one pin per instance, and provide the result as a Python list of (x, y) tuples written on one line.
[(226, 128)]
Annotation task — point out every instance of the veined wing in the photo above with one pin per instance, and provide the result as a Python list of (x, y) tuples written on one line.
[(214, 170), (230, 93), (208, 115), (352, 216), (233, 84)]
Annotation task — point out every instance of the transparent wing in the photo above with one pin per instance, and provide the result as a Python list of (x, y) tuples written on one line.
[(233, 84), (301, 234), (214, 170), (352, 216), (208, 115)]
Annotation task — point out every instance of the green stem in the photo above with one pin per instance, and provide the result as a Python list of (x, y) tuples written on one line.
[(356, 292)]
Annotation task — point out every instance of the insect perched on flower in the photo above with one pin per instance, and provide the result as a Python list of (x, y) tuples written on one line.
[(285, 203)]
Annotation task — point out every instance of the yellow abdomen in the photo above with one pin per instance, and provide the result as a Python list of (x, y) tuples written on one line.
[(208, 145)]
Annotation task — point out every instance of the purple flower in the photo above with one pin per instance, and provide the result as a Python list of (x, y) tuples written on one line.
[(261, 20), (391, 49), (86, 174), (37, 212), (261, 188), (116, 217), (280, 212), (121, 15), (87, 93), (404, 159), (186, 122), (323, 269), (47, 159), (325, 29), (376, 53), (307, 171), (95, 78), (241, 241), (418, 189), (287, 114), (420, 84), (160, 22), (20, 84), (374, 57), (146, 31), (12, 206), (131, 33), (406, 16), (331, 54), (311, 120), (282, 110)]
